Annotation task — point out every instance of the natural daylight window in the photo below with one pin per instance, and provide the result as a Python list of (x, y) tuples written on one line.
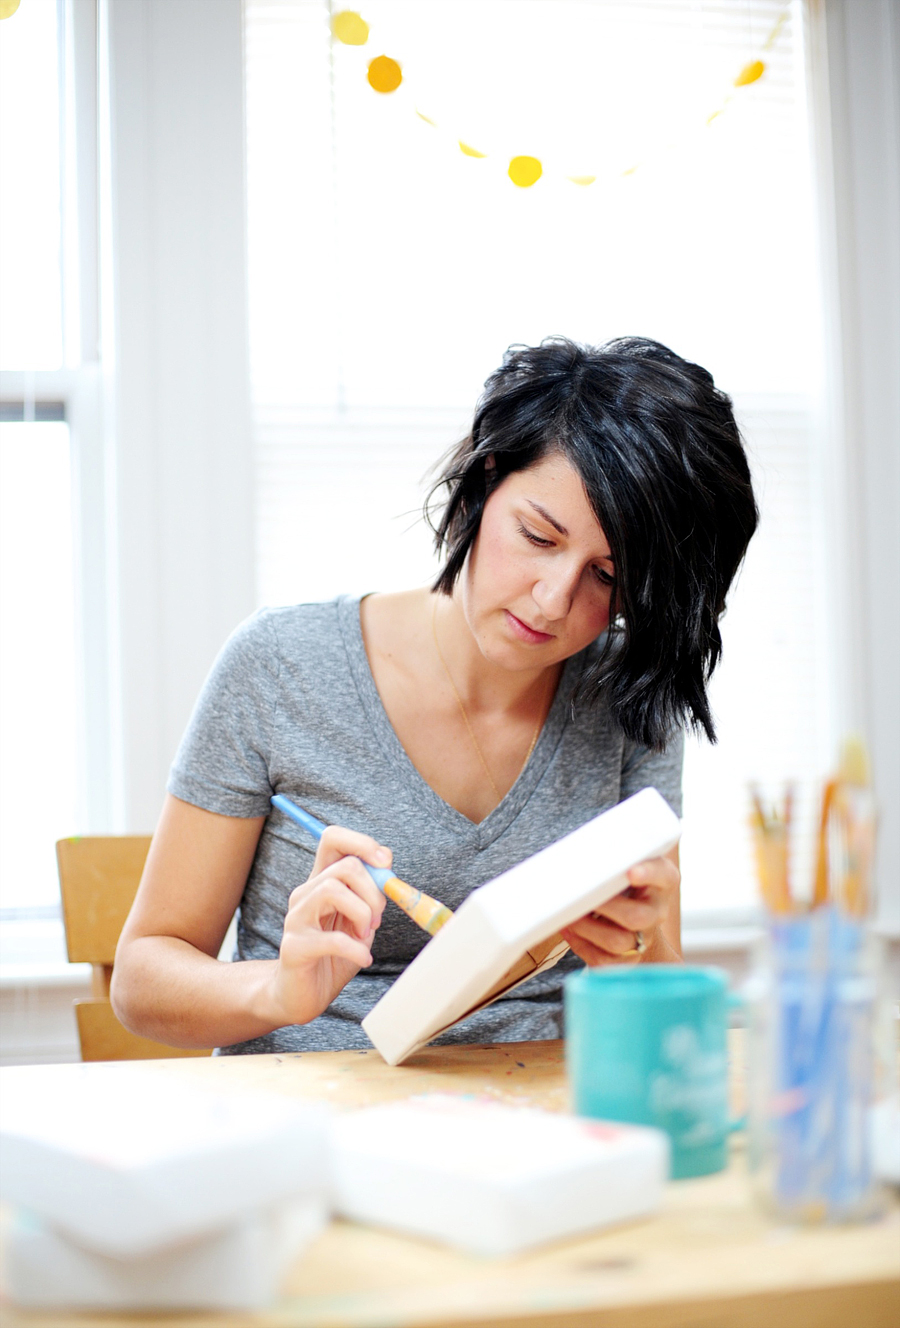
[(37, 660), (37, 605), (390, 267), (30, 238)]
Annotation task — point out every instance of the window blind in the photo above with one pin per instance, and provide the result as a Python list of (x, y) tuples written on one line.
[(389, 271)]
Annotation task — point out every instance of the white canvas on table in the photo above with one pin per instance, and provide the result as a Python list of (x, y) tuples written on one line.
[(126, 1162), (240, 1268), (490, 1178)]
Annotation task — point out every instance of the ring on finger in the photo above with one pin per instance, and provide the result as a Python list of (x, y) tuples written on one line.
[(639, 948)]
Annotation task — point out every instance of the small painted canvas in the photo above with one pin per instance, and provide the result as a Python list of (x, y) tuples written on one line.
[(508, 930)]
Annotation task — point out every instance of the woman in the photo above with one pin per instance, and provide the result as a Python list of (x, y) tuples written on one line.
[(594, 520)]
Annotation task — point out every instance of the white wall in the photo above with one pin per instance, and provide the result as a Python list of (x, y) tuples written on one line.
[(856, 82), (174, 346)]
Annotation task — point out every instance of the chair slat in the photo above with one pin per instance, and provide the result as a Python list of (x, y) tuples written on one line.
[(103, 1038), (98, 877)]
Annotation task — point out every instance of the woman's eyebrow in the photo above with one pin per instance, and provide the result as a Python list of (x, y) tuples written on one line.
[(542, 511)]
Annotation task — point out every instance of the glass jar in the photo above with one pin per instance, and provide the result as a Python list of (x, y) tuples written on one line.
[(811, 1012)]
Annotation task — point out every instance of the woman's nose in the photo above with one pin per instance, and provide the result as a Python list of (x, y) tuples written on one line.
[(554, 594)]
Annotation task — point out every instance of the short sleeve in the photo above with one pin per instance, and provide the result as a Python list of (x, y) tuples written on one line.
[(223, 762), (642, 768)]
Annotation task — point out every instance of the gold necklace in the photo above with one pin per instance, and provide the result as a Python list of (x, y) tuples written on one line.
[(465, 715)]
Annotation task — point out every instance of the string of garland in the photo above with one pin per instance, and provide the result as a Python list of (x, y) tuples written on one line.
[(385, 75)]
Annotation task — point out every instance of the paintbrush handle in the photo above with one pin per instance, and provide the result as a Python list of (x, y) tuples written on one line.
[(821, 888), (315, 827), (426, 912)]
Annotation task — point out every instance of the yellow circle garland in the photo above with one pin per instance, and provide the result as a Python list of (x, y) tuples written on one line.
[(384, 74), (525, 171), (350, 28), (750, 73)]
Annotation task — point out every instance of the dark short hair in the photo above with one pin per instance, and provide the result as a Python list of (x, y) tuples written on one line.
[(657, 447)]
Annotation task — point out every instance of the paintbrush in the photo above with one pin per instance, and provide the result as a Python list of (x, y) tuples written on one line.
[(851, 836), (821, 887), (427, 913), (771, 840)]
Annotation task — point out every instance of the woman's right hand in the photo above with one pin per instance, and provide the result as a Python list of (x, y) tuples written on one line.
[(330, 926)]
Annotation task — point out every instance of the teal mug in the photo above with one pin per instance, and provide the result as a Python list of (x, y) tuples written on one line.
[(648, 1044)]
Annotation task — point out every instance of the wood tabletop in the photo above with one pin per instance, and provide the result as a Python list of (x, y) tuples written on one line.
[(709, 1259)]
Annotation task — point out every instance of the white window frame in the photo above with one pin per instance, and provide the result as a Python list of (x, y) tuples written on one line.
[(157, 388), (76, 387), (854, 75)]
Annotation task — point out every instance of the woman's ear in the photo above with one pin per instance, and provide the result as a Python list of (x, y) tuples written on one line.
[(490, 474)]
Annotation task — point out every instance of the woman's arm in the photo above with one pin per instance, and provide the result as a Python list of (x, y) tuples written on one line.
[(167, 982), (651, 905)]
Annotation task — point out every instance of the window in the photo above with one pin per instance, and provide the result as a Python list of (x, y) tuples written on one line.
[(30, 229), (39, 784), (389, 270), (37, 661)]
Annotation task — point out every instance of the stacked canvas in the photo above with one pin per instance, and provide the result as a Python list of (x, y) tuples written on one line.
[(138, 1191)]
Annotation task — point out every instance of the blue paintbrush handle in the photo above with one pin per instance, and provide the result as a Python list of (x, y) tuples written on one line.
[(380, 875)]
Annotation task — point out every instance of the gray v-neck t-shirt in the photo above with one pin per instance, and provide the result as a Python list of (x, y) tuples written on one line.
[(291, 707)]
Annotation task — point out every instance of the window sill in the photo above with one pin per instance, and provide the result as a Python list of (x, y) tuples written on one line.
[(33, 974), (730, 940), (34, 953)]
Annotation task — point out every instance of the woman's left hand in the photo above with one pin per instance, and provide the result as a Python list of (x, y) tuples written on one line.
[(609, 936)]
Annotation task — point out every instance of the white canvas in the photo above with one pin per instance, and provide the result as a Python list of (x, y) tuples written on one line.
[(128, 1162), (507, 930), (491, 1178), (240, 1268)]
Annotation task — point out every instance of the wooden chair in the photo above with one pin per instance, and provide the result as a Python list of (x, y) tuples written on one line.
[(99, 877)]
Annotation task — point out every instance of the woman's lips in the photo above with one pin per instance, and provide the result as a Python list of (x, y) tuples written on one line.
[(526, 633)]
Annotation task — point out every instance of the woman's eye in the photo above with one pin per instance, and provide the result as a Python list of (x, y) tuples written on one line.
[(535, 539), (605, 578)]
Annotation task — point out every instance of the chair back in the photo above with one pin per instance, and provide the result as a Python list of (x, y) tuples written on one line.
[(98, 878)]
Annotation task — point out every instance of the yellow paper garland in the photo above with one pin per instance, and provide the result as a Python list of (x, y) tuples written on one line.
[(525, 171), (350, 28), (750, 74), (385, 75), (8, 8)]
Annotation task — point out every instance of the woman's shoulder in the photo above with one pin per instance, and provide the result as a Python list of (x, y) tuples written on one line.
[(289, 626), (273, 639)]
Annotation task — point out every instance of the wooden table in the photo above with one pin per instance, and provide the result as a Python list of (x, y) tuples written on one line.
[(710, 1259)]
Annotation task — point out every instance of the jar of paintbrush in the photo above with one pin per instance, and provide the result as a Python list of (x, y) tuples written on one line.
[(812, 1007)]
